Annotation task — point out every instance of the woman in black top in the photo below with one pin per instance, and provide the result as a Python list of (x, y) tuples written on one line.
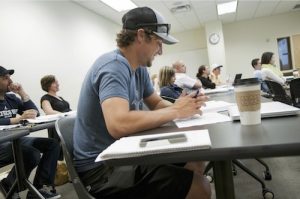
[(51, 103), (203, 76)]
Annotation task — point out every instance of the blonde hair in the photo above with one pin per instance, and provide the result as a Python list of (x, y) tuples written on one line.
[(165, 75)]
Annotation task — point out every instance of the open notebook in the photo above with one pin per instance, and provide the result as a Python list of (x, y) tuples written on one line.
[(136, 146), (268, 109)]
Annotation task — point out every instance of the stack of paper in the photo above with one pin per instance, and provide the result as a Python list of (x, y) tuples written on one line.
[(136, 146), (215, 106), (49, 118), (220, 89), (5, 127), (268, 109), (197, 120)]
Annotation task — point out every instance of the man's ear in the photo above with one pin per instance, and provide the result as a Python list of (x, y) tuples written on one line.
[(140, 35)]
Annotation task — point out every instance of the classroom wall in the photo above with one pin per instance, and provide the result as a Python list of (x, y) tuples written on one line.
[(191, 49), (60, 38), (64, 39), (246, 40)]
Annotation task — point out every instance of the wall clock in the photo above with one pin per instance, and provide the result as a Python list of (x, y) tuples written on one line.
[(214, 38)]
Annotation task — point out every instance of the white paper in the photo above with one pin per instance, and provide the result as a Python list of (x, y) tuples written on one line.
[(5, 127), (205, 118), (218, 90), (50, 118), (127, 147), (216, 106)]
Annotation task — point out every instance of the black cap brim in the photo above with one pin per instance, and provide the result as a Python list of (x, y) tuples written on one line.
[(10, 72), (166, 38)]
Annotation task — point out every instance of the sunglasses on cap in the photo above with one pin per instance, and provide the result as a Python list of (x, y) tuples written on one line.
[(160, 28)]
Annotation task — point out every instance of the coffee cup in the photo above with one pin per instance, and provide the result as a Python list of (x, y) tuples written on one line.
[(247, 95)]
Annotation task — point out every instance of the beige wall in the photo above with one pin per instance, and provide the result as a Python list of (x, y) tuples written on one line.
[(246, 40), (191, 49), (64, 39), (52, 37)]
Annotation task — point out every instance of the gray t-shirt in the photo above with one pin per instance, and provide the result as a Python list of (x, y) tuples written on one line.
[(110, 76)]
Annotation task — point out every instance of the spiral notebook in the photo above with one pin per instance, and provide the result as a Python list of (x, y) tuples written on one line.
[(137, 146)]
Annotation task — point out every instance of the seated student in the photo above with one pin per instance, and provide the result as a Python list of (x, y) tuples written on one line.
[(166, 83), (110, 107), (269, 70), (155, 83), (215, 74), (256, 64), (12, 111), (51, 103), (203, 76), (182, 79)]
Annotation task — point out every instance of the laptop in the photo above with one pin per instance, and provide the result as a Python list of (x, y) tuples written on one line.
[(237, 77), (268, 109)]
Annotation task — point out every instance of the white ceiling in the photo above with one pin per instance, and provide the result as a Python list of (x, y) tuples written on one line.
[(202, 11)]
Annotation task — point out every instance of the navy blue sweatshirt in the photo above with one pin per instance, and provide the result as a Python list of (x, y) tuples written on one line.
[(11, 106)]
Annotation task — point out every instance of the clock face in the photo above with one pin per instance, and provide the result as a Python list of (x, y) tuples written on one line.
[(214, 38)]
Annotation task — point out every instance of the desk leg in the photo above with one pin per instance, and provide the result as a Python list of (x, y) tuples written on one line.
[(21, 178), (19, 165), (223, 179)]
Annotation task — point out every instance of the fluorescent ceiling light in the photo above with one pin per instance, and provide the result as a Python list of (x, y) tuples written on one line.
[(120, 5), (228, 7)]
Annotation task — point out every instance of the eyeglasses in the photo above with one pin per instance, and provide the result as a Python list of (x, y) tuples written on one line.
[(161, 28)]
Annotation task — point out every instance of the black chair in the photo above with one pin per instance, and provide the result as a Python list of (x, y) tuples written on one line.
[(278, 92), (64, 128), (295, 92), (267, 194)]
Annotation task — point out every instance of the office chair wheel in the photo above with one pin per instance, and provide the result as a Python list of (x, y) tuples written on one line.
[(267, 175), (267, 194), (209, 177)]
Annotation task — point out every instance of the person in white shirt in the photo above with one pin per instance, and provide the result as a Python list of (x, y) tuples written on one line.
[(215, 74), (256, 64), (182, 79), (269, 69), (257, 68)]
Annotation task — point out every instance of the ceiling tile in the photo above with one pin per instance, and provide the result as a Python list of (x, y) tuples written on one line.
[(285, 6), (266, 8), (202, 11), (205, 10), (246, 9)]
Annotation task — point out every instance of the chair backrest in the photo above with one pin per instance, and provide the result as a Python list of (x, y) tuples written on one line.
[(64, 128), (278, 92), (295, 91)]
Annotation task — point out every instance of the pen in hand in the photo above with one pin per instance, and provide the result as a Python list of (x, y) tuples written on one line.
[(197, 93)]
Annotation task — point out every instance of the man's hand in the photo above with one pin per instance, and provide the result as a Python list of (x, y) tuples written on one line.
[(189, 105), (29, 114), (18, 89), (15, 87)]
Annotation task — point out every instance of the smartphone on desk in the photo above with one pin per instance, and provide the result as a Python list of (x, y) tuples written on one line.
[(163, 140)]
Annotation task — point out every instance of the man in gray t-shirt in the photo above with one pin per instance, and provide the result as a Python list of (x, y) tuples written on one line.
[(110, 107)]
